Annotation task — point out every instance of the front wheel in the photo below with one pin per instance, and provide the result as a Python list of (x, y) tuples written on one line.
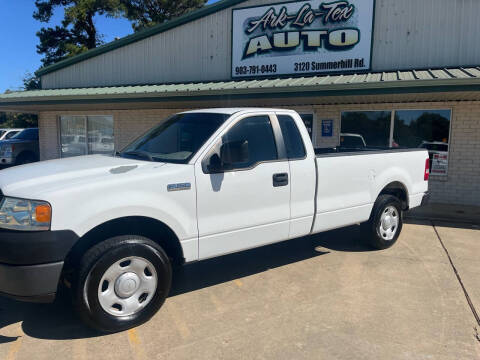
[(121, 283), (385, 224)]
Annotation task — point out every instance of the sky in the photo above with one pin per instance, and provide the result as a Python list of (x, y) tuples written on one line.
[(18, 41)]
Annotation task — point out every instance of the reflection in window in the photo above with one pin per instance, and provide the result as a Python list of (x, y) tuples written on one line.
[(100, 135), (420, 128), (365, 129), (427, 129), (82, 135)]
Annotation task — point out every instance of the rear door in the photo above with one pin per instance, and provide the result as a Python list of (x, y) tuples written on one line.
[(249, 204)]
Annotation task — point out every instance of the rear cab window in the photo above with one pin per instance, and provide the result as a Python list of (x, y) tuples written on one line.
[(292, 138)]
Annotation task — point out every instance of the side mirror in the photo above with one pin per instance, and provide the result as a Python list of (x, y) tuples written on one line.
[(230, 153), (214, 164), (234, 152)]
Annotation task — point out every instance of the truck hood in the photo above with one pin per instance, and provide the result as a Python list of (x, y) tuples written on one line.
[(34, 180)]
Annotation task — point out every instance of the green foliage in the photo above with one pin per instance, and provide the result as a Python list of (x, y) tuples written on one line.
[(31, 82), (14, 120), (147, 13), (11, 120), (77, 32)]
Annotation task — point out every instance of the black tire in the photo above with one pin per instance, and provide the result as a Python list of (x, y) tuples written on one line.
[(372, 228), (93, 265)]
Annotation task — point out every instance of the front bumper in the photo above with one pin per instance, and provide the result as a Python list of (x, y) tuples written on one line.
[(35, 283), (31, 262)]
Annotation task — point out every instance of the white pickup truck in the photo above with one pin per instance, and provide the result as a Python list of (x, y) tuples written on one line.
[(201, 184)]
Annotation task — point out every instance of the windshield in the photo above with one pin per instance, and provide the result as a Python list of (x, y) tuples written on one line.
[(177, 139), (27, 134), (1, 133)]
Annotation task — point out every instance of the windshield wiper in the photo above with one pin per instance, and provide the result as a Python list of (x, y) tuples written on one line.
[(140, 153)]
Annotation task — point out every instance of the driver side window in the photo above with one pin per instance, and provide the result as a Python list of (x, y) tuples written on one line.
[(258, 133)]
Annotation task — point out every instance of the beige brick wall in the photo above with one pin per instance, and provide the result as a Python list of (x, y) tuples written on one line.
[(460, 186)]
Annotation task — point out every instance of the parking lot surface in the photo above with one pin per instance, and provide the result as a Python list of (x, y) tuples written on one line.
[(322, 297)]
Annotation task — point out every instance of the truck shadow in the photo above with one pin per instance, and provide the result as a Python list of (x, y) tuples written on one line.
[(57, 321)]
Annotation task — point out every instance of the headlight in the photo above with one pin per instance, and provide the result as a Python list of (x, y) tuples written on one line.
[(26, 215)]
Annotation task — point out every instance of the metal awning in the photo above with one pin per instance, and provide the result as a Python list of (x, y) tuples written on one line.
[(411, 81)]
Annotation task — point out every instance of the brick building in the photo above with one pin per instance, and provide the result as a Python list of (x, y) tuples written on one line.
[(361, 73)]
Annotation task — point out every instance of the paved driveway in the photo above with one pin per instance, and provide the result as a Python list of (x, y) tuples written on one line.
[(321, 297)]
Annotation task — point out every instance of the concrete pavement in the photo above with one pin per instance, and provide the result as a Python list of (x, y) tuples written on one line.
[(321, 297)]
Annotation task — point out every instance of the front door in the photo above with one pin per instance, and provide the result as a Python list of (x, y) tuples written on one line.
[(248, 204)]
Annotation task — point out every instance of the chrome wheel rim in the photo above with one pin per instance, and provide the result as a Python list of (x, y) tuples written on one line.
[(389, 223), (127, 286)]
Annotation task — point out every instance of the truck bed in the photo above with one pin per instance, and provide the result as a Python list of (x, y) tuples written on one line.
[(347, 188)]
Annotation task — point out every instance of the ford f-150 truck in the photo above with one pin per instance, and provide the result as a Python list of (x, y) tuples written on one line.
[(200, 184), (20, 149)]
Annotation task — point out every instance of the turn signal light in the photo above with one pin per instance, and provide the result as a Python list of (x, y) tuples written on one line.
[(427, 170), (43, 213)]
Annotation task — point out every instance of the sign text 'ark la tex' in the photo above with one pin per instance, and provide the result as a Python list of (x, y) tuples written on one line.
[(302, 37)]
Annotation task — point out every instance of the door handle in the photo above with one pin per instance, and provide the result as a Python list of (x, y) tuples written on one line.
[(280, 179)]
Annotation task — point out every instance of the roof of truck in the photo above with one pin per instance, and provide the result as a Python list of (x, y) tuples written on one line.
[(231, 111)]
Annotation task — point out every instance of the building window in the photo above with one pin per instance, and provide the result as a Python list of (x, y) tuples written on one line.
[(83, 135), (365, 128), (428, 129)]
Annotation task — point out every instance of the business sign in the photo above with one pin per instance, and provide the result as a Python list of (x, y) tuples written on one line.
[(302, 37), (439, 164)]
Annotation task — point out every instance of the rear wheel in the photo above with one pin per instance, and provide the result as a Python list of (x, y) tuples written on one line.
[(121, 283), (385, 224)]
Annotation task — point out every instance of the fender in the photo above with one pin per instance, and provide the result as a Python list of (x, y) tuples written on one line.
[(391, 175)]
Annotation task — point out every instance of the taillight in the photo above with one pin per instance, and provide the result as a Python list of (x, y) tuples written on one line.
[(427, 170)]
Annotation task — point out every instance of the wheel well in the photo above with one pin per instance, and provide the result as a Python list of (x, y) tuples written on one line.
[(398, 190), (135, 225)]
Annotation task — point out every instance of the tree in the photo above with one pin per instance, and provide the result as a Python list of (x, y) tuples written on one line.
[(19, 120), (31, 82), (147, 13), (13, 120), (77, 32)]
